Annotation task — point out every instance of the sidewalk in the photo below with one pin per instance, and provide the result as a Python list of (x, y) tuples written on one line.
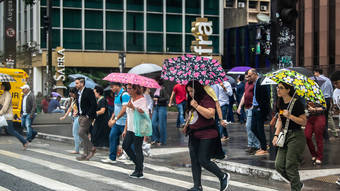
[(237, 160)]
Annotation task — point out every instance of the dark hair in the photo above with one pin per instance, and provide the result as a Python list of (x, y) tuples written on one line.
[(241, 78), (137, 88), (319, 70), (73, 90), (335, 76), (6, 85), (99, 90), (160, 81), (246, 73), (116, 84), (280, 102), (198, 94), (81, 79)]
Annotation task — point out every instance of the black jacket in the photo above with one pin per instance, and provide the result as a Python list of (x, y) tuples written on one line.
[(162, 98), (88, 103), (31, 104), (262, 96)]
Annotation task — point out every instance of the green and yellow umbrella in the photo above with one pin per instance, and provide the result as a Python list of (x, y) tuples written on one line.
[(303, 86)]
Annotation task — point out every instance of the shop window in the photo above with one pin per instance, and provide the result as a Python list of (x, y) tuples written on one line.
[(93, 40), (155, 5), (173, 43), (155, 42), (72, 39), (135, 41), (114, 41), (114, 4), (114, 20), (155, 22), (135, 21), (75, 22), (173, 23), (94, 19)]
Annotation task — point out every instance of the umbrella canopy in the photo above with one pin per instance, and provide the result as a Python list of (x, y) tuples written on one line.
[(6, 78), (88, 84), (187, 68), (302, 71), (108, 88), (145, 69), (231, 80), (126, 78), (75, 76), (304, 86), (318, 80), (239, 70), (55, 94)]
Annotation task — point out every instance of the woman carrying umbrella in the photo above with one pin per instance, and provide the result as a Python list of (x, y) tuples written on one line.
[(202, 135), (289, 156)]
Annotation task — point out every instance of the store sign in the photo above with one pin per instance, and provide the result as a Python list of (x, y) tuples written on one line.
[(202, 29), (59, 76), (10, 32)]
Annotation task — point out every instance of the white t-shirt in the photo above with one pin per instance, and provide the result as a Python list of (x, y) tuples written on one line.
[(140, 103), (336, 97)]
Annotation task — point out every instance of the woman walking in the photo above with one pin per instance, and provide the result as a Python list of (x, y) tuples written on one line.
[(100, 132), (75, 127), (203, 136), (137, 102), (289, 156), (316, 122), (7, 112)]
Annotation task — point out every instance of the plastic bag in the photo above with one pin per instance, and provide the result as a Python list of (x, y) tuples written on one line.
[(3, 121), (142, 124)]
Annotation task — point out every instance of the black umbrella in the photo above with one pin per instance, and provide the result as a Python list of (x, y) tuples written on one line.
[(303, 71)]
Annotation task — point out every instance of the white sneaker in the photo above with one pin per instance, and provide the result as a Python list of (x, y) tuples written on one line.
[(124, 156), (109, 161)]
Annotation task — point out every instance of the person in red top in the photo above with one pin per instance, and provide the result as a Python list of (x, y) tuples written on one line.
[(44, 104), (203, 136), (181, 97)]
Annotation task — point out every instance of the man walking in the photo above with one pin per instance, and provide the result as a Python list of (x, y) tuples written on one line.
[(28, 108), (260, 109), (181, 99), (87, 107), (247, 101), (117, 120)]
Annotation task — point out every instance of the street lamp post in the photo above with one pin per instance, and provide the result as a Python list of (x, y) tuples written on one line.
[(48, 30)]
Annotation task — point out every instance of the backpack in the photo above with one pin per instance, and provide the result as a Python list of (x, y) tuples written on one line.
[(121, 97)]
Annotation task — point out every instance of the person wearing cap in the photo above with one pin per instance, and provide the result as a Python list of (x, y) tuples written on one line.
[(28, 108)]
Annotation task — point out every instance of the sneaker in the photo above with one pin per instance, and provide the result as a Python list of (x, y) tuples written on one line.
[(195, 188), (225, 182), (136, 174), (318, 162), (261, 153), (109, 161), (338, 182), (124, 156)]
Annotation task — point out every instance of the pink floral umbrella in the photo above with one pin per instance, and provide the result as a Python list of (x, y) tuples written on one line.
[(189, 67), (126, 78)]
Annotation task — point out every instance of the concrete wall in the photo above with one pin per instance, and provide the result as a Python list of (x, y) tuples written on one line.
[(235, 17)]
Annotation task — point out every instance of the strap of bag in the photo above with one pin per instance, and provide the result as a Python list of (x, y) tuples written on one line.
[(287, 120)]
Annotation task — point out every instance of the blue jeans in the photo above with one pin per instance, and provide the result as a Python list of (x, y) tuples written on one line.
[(11, 131), (115, 133), (180, 117), (26, 122), (252, 140), (159, 118), (75, 133), (223, 131)]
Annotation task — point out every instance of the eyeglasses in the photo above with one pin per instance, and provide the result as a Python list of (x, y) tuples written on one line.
[(280, 87)]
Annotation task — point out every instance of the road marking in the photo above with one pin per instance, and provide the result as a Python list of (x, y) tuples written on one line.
[(311, 174), (155, 178), (168, 151), (84, 174), (3, 189), (37, 179)]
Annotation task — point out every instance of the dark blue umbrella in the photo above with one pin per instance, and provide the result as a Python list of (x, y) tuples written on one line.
[(88, 83)]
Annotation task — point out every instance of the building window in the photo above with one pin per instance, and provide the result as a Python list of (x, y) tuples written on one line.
[(155, 42), (173, 43), (188, 40), (56, 17), (211, 7), (155, 5), (114, 40), (93, 19), (174, 6), (216, 43), (114, 4), (55, 37), (215, 24), (54, 3), (114, 20), (188, 21), (72, 3), (72, 39), (75, 22), (93, 40), (96, 4), (174, 23), (155, 22), (193, 6), (135, 41), (136, 5), (135, 21), (42, 39)]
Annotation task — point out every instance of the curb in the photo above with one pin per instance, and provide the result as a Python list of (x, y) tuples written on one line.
[(55, 138)]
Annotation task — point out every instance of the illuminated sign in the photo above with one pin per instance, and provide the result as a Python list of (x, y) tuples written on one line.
[(202, 29)]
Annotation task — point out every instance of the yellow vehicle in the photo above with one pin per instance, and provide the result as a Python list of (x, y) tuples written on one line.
[(21, 78)]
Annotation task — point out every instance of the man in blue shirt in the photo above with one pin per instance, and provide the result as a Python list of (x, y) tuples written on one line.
[(117, 120), (54, 106)]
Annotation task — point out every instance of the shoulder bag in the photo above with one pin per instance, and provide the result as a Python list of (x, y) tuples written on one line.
[(281, 138)]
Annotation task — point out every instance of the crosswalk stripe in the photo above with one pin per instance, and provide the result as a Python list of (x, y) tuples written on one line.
[(37, 179), (4, 189), (156, 178), (84, 174)]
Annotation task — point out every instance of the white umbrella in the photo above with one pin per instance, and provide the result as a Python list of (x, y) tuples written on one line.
[(145, 68)]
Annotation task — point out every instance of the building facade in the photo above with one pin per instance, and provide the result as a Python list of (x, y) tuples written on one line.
[(94, 32)]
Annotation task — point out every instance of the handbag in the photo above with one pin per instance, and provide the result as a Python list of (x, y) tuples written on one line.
[(3, 121), (142, 124), (281, 138)]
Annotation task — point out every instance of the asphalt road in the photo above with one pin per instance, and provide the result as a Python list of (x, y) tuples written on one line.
[(48, 165)]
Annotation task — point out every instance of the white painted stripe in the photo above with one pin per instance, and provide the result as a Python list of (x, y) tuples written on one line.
[(156, 178), (37, 179), (310, 174), (4, 189), (168, 151), (84, 174)]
